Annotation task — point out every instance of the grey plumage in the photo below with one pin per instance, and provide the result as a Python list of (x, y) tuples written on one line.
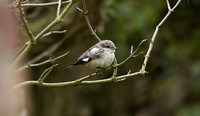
[(101, 55)]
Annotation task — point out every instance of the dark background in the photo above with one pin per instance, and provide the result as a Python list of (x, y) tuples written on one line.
[(172, 85)]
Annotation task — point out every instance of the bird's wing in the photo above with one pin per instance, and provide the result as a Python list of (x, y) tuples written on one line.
[(90, 54)]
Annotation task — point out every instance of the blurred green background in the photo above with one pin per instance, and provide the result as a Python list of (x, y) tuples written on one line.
[(172, 85)]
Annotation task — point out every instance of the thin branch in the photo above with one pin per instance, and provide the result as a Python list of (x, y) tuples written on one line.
[(168, 5), (115, 70), (111, 79), (155, 34), (86, 77), (137, 54), (44, 4), (144, 40), (85, 12), (45, 30), (53, 32), (175, 5), (42, 63), (30, 35), (75, 82), (55, 46), (46, 73), (132, 54), (59, 7)]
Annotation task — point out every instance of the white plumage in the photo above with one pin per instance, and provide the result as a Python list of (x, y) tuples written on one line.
[(100, 56)]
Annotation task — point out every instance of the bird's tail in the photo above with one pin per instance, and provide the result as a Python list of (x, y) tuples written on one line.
[(63, 67)]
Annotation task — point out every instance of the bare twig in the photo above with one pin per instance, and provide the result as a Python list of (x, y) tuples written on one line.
[(115, 70), (132, 53), (46, 73), (59, 7), (42, 63), (73, 83), (155, 34), (137, 54), (30, 35), (53, 32), (55, 46), (43, 4), (168, 5), (129, 72), (86, 77), (85, 12), (114, 78), (45, 30)]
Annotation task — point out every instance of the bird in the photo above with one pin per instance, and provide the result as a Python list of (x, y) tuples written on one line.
[(99, 56)]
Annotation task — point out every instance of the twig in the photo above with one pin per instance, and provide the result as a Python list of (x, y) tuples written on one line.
[(168, 5), (42, 63), (132, 53), (53, 32), (43, 4), (113, 78), (115, 70), (86, 77), (30, 35), (155, 34), (73, 83), (59, 6), (45, 30), (85, 12), (55, 46), (137, 54), (46, 73)]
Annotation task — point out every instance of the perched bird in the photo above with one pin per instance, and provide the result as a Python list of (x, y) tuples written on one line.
[(100, 56)]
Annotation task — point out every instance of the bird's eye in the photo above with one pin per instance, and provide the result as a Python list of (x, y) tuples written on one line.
[(108, 46)]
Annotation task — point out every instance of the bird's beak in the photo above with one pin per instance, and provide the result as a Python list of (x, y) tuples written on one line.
[(115, 48)]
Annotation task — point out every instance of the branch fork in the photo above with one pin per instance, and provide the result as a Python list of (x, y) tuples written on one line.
[(114, 78)]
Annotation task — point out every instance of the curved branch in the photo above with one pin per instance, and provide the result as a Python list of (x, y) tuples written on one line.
[(156, 32), (45, 30), (53, 32), (114, 78), (43, 4), (75, 83), (132, 54), (42, 63), (46, 73), (59, 7), (55, 46), (85, 12), (30, 35)]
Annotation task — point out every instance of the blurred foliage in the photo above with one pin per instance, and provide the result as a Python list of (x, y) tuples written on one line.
[(172, 86)]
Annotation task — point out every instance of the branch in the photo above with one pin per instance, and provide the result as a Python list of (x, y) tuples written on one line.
[(85, 12), (53, 32), (168, 5), (43, 4), (55, 46), (115, 70), (46, 73), (30, 35), (75, 82), (42, 63), (132, 54), (156, 32), (59, 6), (114, 78), (45, 30)]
